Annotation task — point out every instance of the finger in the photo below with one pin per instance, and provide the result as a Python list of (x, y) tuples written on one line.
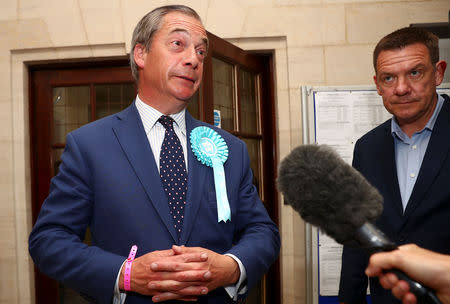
[(388, 280), (186, 258), (193, 276), (400, 289), (165, 296), (189, 292), (170, 266), (164, 253), (183, 276), (409, 298), (167, 286), (178, 249), (372, 270), (190, 254), (198, 256), (184, 249), (384, 260)]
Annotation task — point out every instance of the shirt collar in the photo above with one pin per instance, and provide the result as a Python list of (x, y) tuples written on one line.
[(150, 116), (397, 131)]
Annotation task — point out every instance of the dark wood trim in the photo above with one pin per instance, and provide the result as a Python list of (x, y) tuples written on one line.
[(237, 96), (207, 94), (46, 289), (440, 29), (98, 75), (58, 64), (247, 135), (228, 52), (92, 101), (270, 175), (40, 115)]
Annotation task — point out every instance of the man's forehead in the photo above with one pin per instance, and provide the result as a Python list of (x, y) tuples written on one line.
[(181, 22), (412, 54)]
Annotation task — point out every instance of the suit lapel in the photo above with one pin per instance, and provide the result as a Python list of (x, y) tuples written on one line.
[(196, 179), (436, 153), (133, 140)]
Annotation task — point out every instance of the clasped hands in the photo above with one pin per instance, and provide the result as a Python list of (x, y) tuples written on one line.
[(181, 273)]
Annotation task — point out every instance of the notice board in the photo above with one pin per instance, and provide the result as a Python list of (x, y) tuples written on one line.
[(336, 116)]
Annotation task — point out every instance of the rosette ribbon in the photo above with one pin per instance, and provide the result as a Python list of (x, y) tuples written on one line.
[(211, 150)]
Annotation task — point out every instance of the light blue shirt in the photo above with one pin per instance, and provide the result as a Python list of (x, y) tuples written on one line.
[(409, 153), (155, 132)]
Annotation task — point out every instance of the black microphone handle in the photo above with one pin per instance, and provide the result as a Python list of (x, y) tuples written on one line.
[(373, 240)]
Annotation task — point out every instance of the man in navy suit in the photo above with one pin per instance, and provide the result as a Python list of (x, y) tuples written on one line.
[(407, 158), (109, 180)]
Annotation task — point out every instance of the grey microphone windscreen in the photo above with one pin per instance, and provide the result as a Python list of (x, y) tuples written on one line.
[(327, 192)]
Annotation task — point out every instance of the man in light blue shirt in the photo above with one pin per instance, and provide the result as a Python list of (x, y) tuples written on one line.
[(407, 158)]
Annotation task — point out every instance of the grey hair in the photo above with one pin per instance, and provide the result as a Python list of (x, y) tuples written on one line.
[(147, 27)]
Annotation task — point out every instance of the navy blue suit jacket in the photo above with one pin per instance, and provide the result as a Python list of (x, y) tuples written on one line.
[(425, 221), (108, 181)]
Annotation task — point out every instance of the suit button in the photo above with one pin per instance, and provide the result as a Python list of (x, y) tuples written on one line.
[(402, 238)]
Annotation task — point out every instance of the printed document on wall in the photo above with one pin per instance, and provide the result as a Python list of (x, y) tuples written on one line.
[(341, 118)]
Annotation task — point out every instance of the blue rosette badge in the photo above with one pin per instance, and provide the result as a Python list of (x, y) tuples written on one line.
[(211, 150)]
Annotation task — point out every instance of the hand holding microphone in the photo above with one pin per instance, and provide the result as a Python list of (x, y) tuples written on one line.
[(332, 195), (428, 267)]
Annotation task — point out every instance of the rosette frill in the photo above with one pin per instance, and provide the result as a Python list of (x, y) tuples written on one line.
[(211, 150)]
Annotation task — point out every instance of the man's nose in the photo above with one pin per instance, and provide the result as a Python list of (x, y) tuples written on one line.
[(191, 57), (402, 87)]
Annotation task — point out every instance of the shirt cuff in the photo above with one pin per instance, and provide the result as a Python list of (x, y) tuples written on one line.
[(119, 297), (235, 290)]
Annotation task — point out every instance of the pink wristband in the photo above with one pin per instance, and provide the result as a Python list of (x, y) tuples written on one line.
[(127, 273)]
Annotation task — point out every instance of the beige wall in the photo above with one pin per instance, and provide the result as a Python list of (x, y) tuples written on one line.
[(316, 42)]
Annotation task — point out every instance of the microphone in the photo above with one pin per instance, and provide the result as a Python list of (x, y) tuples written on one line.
[(332, 195)]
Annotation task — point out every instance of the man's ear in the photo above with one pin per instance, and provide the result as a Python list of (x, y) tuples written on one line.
[(441, 65), (139, 55)]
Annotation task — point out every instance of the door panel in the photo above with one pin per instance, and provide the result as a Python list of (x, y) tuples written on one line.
[(112, 98), (224, 90), (249, 103), (71, 110)]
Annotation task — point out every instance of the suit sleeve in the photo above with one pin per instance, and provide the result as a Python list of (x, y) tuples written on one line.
[(56, 241), (256, 240), (353, 281)]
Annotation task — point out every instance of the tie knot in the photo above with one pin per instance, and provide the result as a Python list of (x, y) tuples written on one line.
[(166, 121)]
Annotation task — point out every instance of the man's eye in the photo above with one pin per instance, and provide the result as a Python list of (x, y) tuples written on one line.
[(176, 42), (201, 52), (388, 78), (415, 73)]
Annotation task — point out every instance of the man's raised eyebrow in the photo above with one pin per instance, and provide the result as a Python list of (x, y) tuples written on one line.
[(418, 66), (182, 30), (178, 30)]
